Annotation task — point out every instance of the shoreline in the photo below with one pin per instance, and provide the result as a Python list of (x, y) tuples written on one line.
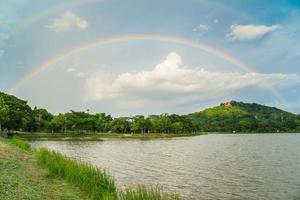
[(98, 136), (104, 136), (28, 173)]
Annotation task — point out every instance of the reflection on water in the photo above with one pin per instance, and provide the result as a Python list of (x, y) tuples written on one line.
[(213, 166)]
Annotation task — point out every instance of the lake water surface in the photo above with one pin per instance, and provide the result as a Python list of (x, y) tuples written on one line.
[(215, 166)]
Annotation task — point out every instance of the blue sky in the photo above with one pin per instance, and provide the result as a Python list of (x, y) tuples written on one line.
[(150, 76)]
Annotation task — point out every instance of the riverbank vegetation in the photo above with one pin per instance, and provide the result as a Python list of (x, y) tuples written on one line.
[(17, 115), (43, 174), (22, 177), (95, 182), (98, 136)]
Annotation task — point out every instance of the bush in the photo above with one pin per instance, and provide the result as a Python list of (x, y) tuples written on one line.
[(20, 143), (95, 182), (144, 193)]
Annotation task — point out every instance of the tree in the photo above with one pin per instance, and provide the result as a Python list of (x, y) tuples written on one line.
[(42, 119), (165, 123), (20, 115), (154, 124), (120, 125), (177, 127), (3, 112), (102, 122), (59, 122), (139, 124)]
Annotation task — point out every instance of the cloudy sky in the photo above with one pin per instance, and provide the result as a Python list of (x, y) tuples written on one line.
[(128, 57)]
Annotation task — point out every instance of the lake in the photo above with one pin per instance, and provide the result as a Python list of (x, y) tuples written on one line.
[(214, 166)]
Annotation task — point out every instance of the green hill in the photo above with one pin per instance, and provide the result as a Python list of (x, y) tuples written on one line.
[(17, 115), (245, 117)]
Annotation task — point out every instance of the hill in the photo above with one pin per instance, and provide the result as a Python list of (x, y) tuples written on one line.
[(245, 117), (15, 114)]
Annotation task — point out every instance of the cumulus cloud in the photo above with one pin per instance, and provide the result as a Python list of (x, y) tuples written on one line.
[(172, 81), (68, 21), (250, 32)]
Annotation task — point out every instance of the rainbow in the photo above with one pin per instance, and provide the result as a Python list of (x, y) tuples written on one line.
[(125, 38), (114, 39)]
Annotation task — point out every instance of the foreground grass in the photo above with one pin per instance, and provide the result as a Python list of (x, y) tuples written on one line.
[(20, 143), (95, 182), (142, 192), (61, 177), (99, 136), (22, 177)]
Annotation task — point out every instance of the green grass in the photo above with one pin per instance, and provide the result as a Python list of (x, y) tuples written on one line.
[(225, 112), (95, 182), (22, 178), (20, 143), (144, 193), (44, 174)]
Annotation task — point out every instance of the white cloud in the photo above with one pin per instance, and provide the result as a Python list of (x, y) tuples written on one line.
[(69, 70), (249, 32), (172, 82), (202, 28), (77, 73), (68, 21)]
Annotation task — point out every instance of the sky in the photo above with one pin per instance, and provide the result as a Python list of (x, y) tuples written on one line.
[(126, 57)]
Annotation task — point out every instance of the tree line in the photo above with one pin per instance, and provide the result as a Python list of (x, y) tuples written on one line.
[(17, 115)]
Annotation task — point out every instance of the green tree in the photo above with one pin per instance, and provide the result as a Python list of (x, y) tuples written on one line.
[(140, 124), (102, 122), (59, 122), (165, 123), (4, 110), (20, 115), (120, 125), (42, 119), (154, 124), (177, 127)]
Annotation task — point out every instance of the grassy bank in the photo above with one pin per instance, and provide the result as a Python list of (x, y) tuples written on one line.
[(22, 177), (98, 136), (93, 181), (44, 174)]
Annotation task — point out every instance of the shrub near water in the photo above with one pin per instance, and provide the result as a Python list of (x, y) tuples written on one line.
[(95, 182), (20, 143), (144, 193)]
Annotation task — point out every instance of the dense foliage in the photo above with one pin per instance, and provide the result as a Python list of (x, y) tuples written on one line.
[(246, 117), (232, 116)]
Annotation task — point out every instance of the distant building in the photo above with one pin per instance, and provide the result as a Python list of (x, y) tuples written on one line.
[(227, 104)]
